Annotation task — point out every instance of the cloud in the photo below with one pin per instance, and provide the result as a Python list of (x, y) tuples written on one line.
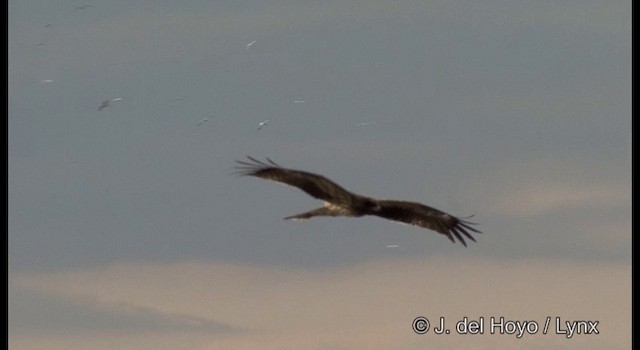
[(356, 307), (543, 185), (537, 200), (560, 205), (48, 313)]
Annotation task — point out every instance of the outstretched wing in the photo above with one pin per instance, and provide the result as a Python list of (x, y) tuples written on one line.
[(315, 185), (427, 217)]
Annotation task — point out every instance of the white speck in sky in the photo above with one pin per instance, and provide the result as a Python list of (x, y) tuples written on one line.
[(262, 124)]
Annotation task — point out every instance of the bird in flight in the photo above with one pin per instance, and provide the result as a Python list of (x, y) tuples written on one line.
[(251, 44), (202, 121), (262, 124), (106, 103), (340, 202)]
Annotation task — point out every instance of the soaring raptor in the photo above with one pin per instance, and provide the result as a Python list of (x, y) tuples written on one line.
[(340, 202)]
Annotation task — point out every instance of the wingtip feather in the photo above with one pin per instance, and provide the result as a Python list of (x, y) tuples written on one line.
[(251, 167)]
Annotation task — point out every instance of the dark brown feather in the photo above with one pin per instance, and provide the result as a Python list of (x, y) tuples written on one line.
[(424, 216), (314, 185)]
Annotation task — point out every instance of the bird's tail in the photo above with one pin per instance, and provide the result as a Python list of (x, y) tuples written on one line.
[(322, 211)]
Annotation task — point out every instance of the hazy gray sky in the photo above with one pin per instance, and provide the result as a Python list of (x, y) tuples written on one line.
[(126, 227)]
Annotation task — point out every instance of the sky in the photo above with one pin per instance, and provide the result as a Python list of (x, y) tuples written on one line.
[(127, 229)]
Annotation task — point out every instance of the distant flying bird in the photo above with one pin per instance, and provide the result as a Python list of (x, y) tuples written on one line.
[(392, 246), (202, 121), (106, 103), (250, 44), (298, 101), (340, 202), (82, 7), (262, 124), (46, 35), (44, 81)]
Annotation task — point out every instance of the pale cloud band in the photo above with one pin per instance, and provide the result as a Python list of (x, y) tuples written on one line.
[(203, 305)]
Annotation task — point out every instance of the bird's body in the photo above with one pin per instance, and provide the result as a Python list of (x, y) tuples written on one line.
[(340, 202)]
